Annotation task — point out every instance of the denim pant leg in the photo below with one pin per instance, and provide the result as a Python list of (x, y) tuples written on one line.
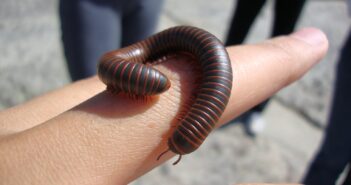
[(140, 21), (92, 27), (286, 15), (88, 30), (335, 152), (243, 17)]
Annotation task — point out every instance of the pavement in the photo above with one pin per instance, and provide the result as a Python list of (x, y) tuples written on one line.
[(32, 63)]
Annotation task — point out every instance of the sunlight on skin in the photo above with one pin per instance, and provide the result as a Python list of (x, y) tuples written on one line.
[(81, 134)]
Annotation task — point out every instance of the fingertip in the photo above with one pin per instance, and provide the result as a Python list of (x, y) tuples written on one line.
[(263, 69), (313, 37)]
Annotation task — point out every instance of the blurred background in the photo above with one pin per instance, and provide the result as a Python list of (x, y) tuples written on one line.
[(32, 63)]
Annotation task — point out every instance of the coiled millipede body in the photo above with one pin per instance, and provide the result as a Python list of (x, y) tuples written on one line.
[(124, 70)]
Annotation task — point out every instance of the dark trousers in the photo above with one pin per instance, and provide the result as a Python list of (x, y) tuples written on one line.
[(286, 15), (93, 27), (335, 151)]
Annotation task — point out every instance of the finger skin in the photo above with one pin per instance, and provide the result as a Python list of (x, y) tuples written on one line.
[(47, 106), (111, 139), (266, 184)]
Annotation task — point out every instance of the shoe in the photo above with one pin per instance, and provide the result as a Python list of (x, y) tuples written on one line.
[(255, 124)]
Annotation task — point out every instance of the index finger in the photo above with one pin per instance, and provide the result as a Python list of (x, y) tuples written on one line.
[(127, 147)]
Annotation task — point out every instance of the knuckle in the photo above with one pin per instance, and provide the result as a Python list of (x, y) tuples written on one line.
[(287, 53), (283, 49)]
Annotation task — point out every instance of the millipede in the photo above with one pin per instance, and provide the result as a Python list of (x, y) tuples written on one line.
[(130, 70)]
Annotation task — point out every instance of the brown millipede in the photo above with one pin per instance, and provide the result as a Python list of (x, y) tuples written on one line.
[(124, 70)]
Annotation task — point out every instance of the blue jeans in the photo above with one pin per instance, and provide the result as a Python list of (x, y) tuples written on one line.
[(93, 27), (335, 152)]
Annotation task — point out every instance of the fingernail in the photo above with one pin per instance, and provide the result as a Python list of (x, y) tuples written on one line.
[(311, 36)]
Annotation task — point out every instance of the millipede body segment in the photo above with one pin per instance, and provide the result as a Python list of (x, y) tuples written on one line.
[(124, 70)]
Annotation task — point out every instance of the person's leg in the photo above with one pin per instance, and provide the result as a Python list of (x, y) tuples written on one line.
[(89, 28), (347, 180), (140, 19), (244, 15), (335, 151), (287, 13), (260, 107), (286, 16)]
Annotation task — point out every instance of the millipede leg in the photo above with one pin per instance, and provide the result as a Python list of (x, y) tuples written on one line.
[(158, 158), (112, 90), (177, 161)]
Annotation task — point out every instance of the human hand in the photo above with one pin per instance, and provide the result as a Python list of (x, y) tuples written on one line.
[(80, 134), (266, 184)]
